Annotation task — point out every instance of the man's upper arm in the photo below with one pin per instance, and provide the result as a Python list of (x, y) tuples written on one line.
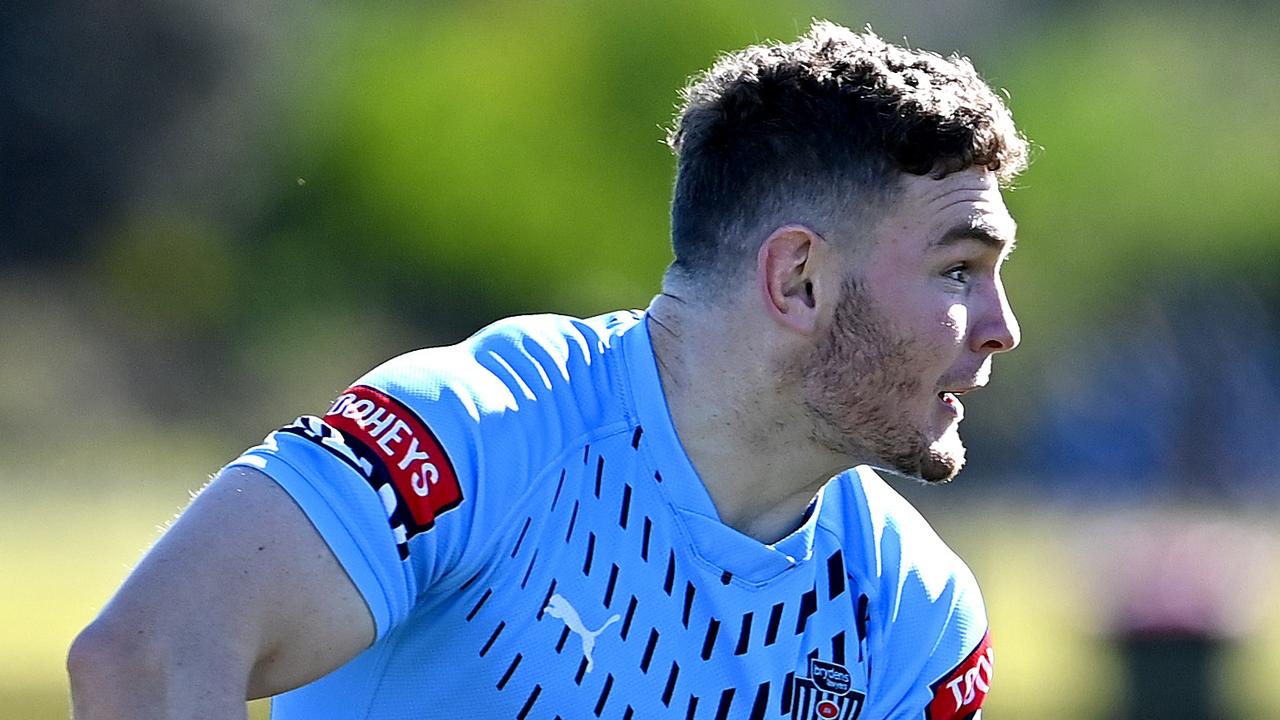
[(244, 584)]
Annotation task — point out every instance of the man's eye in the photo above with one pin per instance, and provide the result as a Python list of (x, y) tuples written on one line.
[(959, 273)]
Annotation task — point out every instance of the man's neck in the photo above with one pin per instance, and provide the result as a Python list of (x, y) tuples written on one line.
[(749, 441)]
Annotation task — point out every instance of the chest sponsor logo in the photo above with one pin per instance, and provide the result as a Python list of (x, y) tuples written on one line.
[(559, 607), (827, 694), (959, 695)]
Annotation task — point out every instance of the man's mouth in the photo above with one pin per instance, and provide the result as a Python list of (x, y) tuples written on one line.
[(958, 390), (951, 397)]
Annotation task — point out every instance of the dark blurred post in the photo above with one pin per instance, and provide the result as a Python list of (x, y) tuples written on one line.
[(1181, 589), (1169, 673)]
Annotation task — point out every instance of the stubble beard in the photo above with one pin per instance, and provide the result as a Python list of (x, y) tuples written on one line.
[(858, 388)]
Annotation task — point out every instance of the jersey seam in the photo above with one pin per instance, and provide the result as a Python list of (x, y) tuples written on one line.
[(487, 564), (614, 427), (624, 387), (688, 544), (868, 586)]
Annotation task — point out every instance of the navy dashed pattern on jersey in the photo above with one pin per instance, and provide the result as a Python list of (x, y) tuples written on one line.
[(596, 582), (584, 514)]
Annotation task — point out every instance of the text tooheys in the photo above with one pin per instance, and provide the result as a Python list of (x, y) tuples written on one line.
[(421, 474), (960, 693)]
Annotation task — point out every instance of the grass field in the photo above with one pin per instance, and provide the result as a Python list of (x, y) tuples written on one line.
[(61, 558)]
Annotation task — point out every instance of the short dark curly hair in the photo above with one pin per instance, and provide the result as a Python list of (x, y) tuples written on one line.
[(817, 131)]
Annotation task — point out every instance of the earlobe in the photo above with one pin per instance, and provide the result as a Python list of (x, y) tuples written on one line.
[(786, 269)]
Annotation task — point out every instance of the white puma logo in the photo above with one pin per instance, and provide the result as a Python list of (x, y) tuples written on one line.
[(559, 607)]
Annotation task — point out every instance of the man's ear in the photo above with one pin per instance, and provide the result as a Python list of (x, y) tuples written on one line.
[(787, 272)]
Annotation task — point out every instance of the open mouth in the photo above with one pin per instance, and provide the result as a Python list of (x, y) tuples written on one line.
[(951, 398), (958, 391)]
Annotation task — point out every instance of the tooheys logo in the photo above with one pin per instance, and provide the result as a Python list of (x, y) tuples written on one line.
[(412, 473), (959, 695)]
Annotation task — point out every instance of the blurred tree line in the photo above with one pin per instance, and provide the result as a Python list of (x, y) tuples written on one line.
[(213, 215)]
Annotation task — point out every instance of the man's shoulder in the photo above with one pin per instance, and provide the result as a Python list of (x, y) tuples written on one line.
[(899, 545), (564, 336), (534, 381), (927, 604), (443, 442), (525, 356)]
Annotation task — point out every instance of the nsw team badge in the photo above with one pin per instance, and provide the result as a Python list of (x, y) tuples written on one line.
[(827, 694)]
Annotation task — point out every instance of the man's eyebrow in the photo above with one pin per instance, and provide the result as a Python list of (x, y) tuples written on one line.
[(985, 233)]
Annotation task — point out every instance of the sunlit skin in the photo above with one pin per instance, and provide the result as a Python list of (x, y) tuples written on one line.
[(919, 320), (840, 351)]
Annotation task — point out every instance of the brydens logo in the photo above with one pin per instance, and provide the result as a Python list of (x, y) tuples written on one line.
[(827, 694)]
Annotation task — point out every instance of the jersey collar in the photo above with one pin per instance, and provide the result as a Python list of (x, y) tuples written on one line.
[(726, 549)]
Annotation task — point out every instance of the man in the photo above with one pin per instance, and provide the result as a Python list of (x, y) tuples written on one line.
[(634, 516)]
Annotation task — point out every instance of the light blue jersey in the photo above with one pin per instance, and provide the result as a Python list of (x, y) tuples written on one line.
[(532, 541)]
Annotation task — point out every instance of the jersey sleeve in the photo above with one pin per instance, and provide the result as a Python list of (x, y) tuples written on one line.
[(933, 658), (940, 662), (411, 473)]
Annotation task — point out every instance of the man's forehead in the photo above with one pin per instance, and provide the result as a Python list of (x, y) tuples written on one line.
[(967, 205), (957, 193), (942, 212), (930, 189)]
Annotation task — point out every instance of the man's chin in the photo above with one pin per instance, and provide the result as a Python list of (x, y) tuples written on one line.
[(935, 464), (912, 457), (943, 461)]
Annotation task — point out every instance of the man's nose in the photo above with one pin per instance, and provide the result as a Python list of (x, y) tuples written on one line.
[(997, 330)]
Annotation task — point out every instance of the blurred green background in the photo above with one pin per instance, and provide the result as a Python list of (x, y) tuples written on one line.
[(214, 215)]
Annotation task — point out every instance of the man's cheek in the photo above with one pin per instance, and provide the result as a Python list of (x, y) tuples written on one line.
[(956, 320)]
